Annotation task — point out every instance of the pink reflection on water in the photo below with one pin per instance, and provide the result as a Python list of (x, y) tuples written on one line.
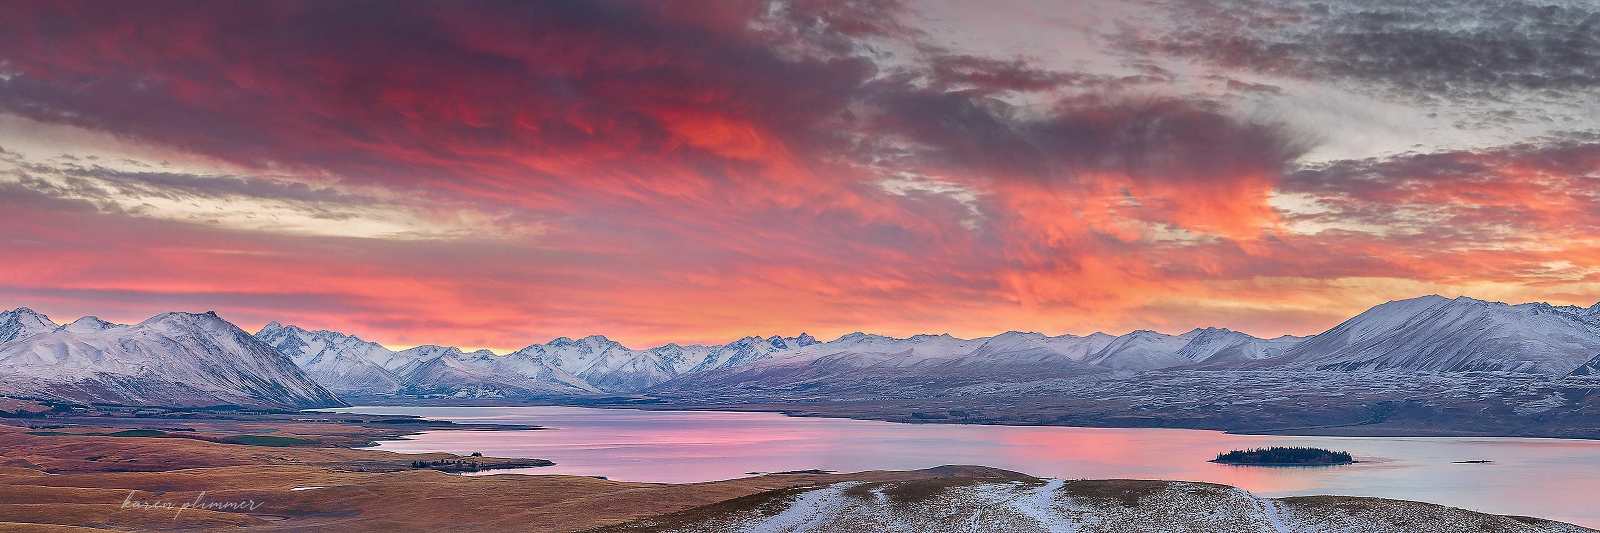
[(1535, 477)]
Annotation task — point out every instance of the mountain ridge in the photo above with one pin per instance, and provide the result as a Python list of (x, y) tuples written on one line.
[(1429, 333)]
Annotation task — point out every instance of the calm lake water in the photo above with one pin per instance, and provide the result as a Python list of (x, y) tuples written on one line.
[(1549, 478)]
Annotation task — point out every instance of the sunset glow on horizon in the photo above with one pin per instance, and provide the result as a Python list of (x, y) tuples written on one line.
[(495, 174)]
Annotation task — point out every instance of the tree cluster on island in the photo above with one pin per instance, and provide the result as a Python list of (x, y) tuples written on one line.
[(1284, 456), (449, 465)]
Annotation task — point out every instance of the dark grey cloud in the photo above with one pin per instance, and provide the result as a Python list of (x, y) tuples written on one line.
[(1430, 50), (951, 71), (1143, 138)]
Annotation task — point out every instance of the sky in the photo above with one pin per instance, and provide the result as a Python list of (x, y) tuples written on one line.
[(490, 174)]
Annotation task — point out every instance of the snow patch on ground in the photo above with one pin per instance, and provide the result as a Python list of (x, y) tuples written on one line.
[(1055, 505), (809, 511)]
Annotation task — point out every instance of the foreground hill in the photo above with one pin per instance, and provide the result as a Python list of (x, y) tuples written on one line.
[(171, 359), (984, 501)]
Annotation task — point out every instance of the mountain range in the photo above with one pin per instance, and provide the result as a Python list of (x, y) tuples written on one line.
[(171, 359), (200, 359)]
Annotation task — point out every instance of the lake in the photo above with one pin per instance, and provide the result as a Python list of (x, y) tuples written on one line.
[(1548, 478)]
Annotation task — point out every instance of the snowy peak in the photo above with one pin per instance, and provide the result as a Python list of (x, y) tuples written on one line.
[(782, 343), (23, 322), (90, 324), (859, 337), (177, 320), (1150, 350), (592, 343)]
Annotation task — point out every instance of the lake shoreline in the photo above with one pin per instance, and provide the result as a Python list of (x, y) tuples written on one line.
[(1372, 429)]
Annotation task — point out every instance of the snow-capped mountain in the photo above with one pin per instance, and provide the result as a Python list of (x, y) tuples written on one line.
[(560, 368), (742, 352), (171, 359), (864, 350), (23, 322), (90, 324), (1221, 344), (450, 372), (1433, 333), (605, 364), (1141, 350), (1429, 334), (611, 367), (1210, 347), (1037, 347), (343, 363), (865, 361)]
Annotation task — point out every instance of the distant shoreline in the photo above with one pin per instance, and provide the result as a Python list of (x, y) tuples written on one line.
[(1349, 430)]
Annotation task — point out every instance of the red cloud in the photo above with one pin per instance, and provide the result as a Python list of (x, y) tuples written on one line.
[(703, 174)]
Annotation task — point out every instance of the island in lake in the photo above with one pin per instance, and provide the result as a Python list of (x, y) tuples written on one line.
[(1284, 456)]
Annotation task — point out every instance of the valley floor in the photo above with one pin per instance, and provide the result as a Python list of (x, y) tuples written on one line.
[(89, 473)]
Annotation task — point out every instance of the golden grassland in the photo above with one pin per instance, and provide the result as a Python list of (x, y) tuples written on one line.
[(143, 483)]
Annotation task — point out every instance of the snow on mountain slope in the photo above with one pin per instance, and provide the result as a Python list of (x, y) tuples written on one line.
[(1590, 369), (611, 367), (601, 362), (741, 352), (171, 359), (90, 324), (867, 350), (342, 363), (1224, 346), (444, 371), (23, 322), (864, 361), (1432, 333), (1027, 347), (1423, 334), (1141, 350)]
